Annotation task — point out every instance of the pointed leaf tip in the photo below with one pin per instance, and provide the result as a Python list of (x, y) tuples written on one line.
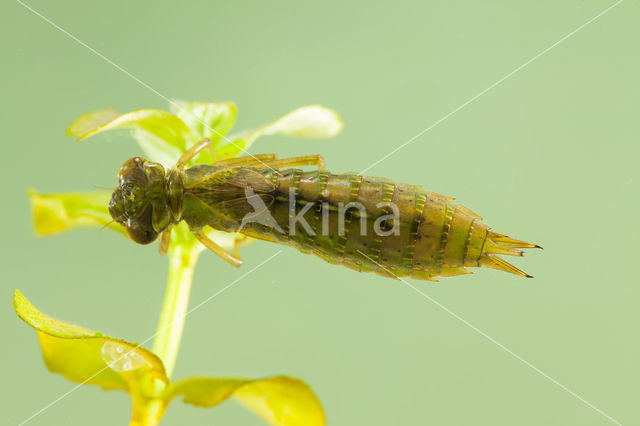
[(85, 356), (90, 121), (313, 121), (41, 322), (162, 136)]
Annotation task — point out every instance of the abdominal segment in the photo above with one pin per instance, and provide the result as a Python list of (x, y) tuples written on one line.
[(365, 223)]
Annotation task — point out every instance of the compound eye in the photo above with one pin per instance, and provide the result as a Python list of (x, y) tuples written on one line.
[(116, 208), (132, 198), (128, 191)]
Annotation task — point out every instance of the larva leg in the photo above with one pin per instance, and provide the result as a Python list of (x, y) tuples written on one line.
[(249, 160), (308, 160), (164, 241), (211, 245), (236, 245), (193, 151)]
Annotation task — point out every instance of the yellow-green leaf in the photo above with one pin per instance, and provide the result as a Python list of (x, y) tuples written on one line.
[(238, 145), (54, 213), (85, 356), (90, 121), (313, 121), (163, 136), (204, 391), (280, 400)]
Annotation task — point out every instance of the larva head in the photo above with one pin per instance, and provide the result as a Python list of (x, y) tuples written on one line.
[(138, 202)]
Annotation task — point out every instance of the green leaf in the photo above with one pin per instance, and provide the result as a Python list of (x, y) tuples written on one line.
[(162, 136), (86, 356), (90, 121), (204, 391), (53, 213), (206, 119), (239, 144), (313, 121), (280, 400)]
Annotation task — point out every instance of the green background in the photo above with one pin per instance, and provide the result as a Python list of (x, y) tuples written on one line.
[(550, 155)]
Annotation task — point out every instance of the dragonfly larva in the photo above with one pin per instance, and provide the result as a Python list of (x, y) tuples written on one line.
[(365, 223)]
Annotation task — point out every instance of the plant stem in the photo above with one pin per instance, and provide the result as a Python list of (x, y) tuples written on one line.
[(147, 413), (182, 261)]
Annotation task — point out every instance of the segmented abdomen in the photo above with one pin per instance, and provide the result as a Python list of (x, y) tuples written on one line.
[(435, 236)]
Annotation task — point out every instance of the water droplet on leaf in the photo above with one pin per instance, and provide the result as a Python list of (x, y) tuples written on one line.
[(121, 358)]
